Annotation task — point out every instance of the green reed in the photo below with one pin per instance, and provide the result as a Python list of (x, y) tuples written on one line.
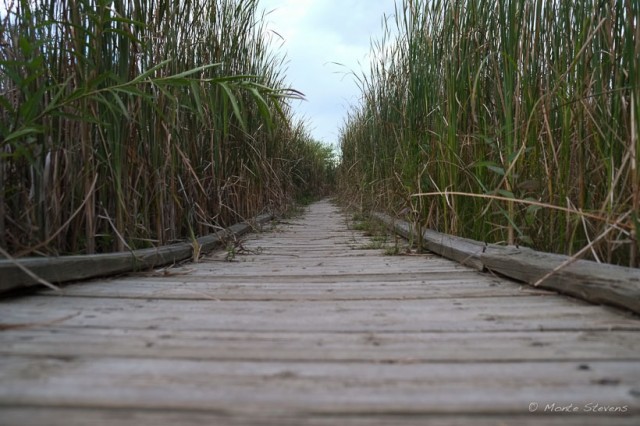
[(523, 100), (130, 124)]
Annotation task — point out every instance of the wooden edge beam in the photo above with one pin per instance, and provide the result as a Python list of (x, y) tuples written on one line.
[(74, 268), (591, 281)]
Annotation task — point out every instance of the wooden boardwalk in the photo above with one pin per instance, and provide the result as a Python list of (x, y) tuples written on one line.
[(307, 326)]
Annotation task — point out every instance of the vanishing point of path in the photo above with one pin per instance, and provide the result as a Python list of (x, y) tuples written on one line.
[(306, 325)]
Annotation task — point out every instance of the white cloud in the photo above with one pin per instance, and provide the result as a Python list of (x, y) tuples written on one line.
[(317, 35)]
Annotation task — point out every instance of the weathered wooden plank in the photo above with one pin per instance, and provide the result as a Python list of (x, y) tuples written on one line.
[(183, 275), (400, 264), (101, 417), (373, 346), (451, 314), (297, 289), (269, 253), (591, 281), (293, 267), (72, 268), (327, 388), (57, 416)]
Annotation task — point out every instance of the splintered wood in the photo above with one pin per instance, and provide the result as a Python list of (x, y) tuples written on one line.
[(309, 324)]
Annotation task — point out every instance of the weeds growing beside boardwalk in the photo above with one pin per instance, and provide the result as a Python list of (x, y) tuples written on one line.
[(129, 124), (509, 121)]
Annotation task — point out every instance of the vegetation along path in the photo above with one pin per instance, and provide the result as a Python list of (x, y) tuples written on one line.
[(313, 323)]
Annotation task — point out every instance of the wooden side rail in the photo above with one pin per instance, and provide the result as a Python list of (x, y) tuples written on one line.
[(73, 268), (594, 282)]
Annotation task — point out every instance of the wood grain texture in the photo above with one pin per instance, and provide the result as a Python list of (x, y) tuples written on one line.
[(435, 286), (587, 280), (307, 325), (358, 346), (315, 387), (452, 314), (56, 416)]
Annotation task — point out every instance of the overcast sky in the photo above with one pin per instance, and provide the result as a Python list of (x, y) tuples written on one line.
[(317, 34)]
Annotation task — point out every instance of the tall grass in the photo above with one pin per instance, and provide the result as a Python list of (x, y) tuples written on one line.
[(528, 110), (128, 124)]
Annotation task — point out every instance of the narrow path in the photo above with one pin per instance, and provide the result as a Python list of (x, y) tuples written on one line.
[(307, 325)]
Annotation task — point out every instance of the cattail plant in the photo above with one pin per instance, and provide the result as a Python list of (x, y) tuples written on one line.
[(129, 124), (511, 121)]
